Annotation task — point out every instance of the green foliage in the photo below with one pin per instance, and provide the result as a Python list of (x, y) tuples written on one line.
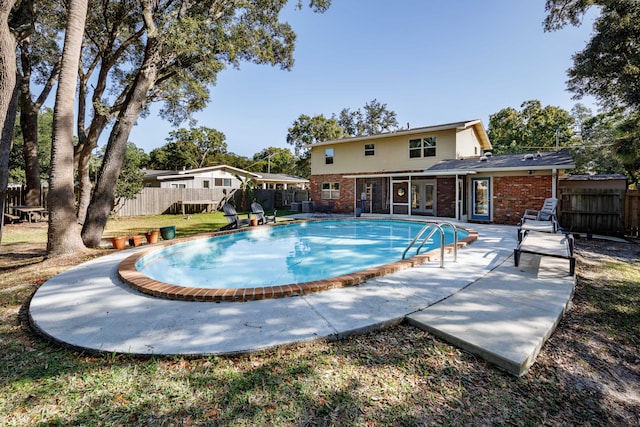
[(608, 143), (307, 130), (373, 119), (16, 159), (594, 151), (274, 160), (627, 146), (609, 66), (130, 180), (530, 129), (189, 148), (247, 185)]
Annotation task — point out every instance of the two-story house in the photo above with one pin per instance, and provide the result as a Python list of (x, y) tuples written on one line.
[(444, 170)]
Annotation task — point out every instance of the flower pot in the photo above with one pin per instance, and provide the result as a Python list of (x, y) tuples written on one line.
[(168, 232), (152, 236), (118, 242), (254, 222), (135, 240)]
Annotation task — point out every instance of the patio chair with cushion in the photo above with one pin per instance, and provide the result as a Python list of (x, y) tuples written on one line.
[(232, 216), (258, 211), (540, 220)]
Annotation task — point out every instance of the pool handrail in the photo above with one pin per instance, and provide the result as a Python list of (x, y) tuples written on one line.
[(438, 226), (415, 239), (455, 239)]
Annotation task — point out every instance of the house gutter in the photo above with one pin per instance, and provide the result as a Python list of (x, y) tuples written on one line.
[(423, 173)]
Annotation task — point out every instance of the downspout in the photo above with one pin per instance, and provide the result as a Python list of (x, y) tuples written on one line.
[(554, 178)]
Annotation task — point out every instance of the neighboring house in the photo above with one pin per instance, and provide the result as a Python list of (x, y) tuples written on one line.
[(278, 181), (221, 176), (444, 170)]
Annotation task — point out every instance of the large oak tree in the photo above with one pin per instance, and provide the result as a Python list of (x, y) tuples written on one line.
[(185, 45), (609, 66)]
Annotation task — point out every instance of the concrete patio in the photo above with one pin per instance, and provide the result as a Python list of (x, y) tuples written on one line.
[(482, 304)]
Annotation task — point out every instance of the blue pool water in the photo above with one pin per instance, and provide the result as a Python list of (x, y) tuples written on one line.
[(295, 253)]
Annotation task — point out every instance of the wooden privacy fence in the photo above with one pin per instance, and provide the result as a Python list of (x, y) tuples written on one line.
[(632, 213), (593, 210), (16, 196), (155, 201)]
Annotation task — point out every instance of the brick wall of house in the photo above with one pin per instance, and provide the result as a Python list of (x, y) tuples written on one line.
[(446, 197), (344, 204), (512, 195)]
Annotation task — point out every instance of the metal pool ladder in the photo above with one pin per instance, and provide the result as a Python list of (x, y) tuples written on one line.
[(435, 226)]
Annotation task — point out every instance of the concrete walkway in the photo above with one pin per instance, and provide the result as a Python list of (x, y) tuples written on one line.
[(482, 304)]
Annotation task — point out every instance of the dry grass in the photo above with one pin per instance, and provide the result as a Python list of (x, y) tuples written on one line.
[(587, 374)]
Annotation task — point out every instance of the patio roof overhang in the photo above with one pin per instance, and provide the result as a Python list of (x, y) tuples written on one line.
[(419, 173)]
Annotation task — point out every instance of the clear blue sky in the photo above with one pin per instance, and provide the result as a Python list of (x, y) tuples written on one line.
[(430, 61)]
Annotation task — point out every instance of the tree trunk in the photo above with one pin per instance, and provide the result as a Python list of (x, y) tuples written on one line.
[(84, 183), (104, 192), (64, 236), (8, 99), (29, 126)]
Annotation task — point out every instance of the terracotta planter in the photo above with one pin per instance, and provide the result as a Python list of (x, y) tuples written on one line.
[(152, 236), (118, 242), (135, 240), (254, 222), (168, 232)]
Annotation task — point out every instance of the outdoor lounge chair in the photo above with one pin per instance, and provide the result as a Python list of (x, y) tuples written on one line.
[(544, 244), (540, 220), (258, 211), (232, 216)]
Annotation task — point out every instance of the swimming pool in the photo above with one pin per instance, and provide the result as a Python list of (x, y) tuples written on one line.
[(272, 261)]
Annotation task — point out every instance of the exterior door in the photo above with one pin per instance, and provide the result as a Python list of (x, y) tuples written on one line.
[(423, 197), (481, 199), (400, 197)]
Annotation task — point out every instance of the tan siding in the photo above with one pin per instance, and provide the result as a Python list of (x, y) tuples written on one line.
[(391, 154), (467, 144)]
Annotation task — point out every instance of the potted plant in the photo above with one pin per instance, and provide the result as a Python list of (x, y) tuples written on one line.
[(168, 232), (118, 242), (152, 236), (134, 240)]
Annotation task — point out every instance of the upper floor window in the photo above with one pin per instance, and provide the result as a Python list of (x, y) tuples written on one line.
[(422, 147), (328, 156), (369, 149)]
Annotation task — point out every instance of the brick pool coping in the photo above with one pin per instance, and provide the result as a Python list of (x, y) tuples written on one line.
[(130, 275)]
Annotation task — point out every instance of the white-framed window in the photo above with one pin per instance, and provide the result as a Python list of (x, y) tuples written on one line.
[(178, 185), (328, 156), (369, 149), (223, 182), (422, 147), (330, 190)]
